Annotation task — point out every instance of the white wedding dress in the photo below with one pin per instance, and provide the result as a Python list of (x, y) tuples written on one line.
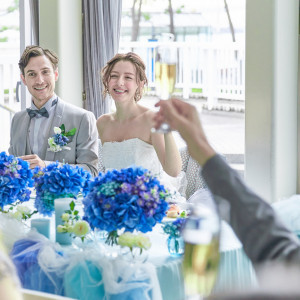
[(135, 152), (132, 152)]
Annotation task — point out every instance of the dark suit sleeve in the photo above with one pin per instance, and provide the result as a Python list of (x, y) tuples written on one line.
[(254, 221)]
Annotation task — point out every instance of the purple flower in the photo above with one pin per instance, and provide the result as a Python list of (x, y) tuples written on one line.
[(123, 199), (15, 179)]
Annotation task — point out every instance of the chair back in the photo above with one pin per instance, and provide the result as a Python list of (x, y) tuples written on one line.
[(192, 171)]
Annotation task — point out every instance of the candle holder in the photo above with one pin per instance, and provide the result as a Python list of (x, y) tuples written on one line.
[(42, 226), (60, 206)]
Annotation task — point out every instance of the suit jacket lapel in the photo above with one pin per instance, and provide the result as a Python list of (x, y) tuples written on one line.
[(56, 122)]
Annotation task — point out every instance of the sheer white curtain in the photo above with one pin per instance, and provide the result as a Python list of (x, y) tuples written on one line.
[(101, 33)]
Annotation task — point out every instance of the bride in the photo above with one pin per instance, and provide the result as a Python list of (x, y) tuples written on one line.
[(126, 133)]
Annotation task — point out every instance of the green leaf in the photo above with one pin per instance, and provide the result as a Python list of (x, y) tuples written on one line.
[(63, 129), (76, 212), (71, 132), (72, 205), (34, 212)]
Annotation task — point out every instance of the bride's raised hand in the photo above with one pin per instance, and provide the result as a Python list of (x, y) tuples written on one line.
[(149, 119)]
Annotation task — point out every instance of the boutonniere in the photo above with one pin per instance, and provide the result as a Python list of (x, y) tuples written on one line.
[(60, 139)]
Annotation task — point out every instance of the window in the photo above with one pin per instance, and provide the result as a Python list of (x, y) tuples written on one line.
[(211, 67)]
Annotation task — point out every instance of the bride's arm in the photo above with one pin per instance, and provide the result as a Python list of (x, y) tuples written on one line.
[(101, 124), (165, 147), (167, 152)]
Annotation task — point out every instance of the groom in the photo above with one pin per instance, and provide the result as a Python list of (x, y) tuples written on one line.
[(31, 128)]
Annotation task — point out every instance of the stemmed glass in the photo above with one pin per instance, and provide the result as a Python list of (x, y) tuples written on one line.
[(165, 73), (201, 234)]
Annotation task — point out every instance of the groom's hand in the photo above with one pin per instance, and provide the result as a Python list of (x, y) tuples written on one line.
[(34, 161)]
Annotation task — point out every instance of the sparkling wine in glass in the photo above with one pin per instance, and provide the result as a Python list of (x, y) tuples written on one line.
[(165, 79), (165, 73), (201, 256)]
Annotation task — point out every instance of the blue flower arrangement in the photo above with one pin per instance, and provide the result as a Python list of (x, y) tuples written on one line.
[(175, 241), (58, 181), (174, 228), (129, 199), (15, 180)]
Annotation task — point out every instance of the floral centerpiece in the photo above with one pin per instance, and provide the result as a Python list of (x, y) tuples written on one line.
[(58, 181), (15, 180), (175, 240), (73, 224), (174, 228), (134, 241), (127, 199)]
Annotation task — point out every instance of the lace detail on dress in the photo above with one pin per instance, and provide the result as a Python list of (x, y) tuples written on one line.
[(132, 152)]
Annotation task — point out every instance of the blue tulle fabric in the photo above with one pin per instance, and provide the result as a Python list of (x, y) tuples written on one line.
[(25, 255), (93, 275), (84, 281), (86, 273)]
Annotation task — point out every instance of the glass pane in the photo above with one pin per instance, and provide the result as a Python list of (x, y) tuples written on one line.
[(9, 71), (210, 72)]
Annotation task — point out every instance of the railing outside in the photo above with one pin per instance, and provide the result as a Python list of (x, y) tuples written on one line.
[(214, 72)]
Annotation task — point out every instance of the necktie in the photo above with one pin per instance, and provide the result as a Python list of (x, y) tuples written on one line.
[(33, 112)]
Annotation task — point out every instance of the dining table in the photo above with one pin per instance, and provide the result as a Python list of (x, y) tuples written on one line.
[(94, 270)]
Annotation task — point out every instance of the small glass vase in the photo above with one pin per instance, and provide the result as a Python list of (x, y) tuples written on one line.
[(60, 206), (175, 246), (100, 235), (135, 255)]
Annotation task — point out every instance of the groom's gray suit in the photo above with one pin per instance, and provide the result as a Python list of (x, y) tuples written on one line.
[(84, 145)]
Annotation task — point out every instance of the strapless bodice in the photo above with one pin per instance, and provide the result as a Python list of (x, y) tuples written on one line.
[(132, 152)]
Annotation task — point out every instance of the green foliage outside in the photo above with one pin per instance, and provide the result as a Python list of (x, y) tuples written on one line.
[(8, 10), (6, 91), (197, 91)]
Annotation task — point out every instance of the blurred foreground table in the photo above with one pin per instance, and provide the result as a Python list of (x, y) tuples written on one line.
[(95, 271)]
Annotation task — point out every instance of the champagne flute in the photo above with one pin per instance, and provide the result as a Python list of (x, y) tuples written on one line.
[(165, 74), (201, 255)]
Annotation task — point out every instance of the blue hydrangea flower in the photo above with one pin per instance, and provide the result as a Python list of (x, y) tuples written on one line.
[(174, 228), (60, 139), (129, 199), (15, 180), (58, 181)]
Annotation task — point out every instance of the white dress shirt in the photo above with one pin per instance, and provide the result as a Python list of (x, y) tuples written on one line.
[(39, 127)]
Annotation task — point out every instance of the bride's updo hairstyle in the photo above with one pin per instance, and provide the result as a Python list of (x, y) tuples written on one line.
[(139, 67)]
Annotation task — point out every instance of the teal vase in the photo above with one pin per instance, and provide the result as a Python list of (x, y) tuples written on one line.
[(175, 246)]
